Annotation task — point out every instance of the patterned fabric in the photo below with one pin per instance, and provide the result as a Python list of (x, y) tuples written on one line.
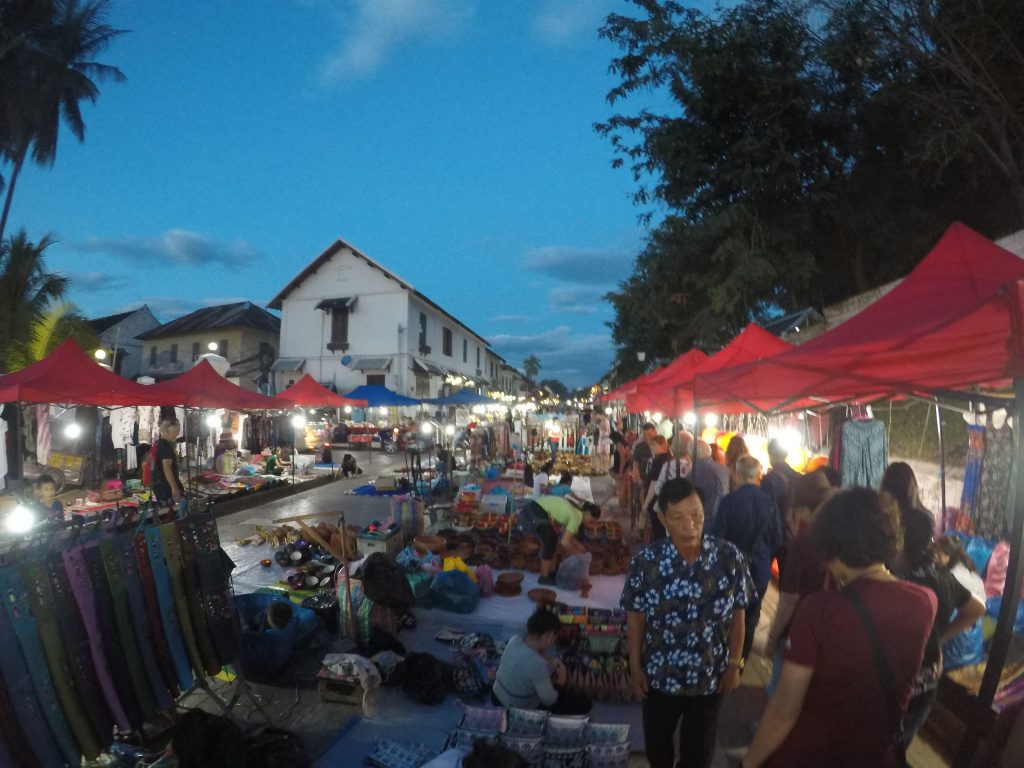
[(865, 453), (972, 470), (990, 515), (688, 610), (168, 614)]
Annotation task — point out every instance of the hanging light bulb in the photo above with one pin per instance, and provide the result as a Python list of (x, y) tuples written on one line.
[(299, 420), (73, 431)]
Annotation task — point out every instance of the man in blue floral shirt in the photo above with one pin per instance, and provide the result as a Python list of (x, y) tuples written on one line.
[(685, 598)]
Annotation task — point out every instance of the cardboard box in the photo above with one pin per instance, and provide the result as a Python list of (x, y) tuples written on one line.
[(338, 691), (392, 545)]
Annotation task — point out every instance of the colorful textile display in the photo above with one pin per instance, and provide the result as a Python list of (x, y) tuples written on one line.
[(990, 515), (972, 470)]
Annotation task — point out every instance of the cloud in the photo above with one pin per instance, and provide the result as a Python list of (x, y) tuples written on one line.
[(594, 266), (576, 299), (376, 28), (96, 281), (575, 359), (175, 246), (559, 22), (511, 319)]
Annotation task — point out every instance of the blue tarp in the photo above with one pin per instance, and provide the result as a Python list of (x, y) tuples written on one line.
[(377, 396), (463, 397)]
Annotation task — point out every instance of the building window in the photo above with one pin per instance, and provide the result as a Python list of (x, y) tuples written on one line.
[(375, 379), (222, 348), (423, 333), (174, 353), (339, 329), (152, 355), (446, 342), (422, 385), (465, 350), (478, 357), (195, 351)]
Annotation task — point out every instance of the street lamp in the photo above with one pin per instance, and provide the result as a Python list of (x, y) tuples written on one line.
[(212, 346)]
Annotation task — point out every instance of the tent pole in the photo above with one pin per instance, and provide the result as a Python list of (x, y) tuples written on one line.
[(942, 467), (980, 718)]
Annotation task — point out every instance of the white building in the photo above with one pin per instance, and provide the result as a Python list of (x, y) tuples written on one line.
[(119, 336), (347, 321)]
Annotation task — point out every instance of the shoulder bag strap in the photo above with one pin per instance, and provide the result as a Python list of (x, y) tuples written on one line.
[(881, 663)]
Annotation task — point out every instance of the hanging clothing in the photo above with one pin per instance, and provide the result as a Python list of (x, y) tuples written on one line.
[(990, 514), (43, 440), (3, 454), (865, 453), (972, 470), (122, 425)]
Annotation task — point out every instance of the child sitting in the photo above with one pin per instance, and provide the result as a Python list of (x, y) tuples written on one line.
[(46, 499)]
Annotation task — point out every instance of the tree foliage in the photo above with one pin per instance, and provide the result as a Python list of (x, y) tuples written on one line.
[(47, 71), (808, 154), (531, 367)]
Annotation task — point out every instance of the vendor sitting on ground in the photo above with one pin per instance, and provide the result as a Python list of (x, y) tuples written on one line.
[(46, 500), (526, 679), (349, 466), (539, 516), (277, 615)]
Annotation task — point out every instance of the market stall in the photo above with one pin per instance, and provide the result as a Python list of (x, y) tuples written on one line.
[(953, 327)]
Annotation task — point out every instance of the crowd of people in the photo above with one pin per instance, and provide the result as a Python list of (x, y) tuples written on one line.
[(867, 600)]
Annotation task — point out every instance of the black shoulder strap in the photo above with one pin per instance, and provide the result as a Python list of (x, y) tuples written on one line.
[(881, 663)]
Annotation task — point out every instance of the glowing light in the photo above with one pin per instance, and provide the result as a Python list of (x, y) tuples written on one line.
[(710, 419), (73, 431), (479, 410), (689, 418), (100, 354), (212, 346), (20, 520), (608, 410), (348, 409), (299, 420), (656, 417), (449, 430), (426, 428), (213, 421)]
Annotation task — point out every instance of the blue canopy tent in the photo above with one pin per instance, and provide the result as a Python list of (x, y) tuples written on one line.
[(377, 396), (462, 397)]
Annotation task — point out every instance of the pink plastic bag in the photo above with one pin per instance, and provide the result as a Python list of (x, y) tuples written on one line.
[(485, 580), (995, 575)]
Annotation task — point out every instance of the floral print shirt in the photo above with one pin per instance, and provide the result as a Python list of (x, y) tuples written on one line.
[(688, 609)]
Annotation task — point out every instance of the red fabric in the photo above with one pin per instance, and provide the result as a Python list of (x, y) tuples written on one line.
[(680, 369), (843, 721), (946, 325), (69, 376), (309, 393), (620, 392), (674, 396), (203, 387)]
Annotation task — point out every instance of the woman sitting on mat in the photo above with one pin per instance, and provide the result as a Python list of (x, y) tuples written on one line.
[(528, 680)]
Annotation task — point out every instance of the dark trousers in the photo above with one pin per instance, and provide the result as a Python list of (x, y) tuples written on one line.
[(750, 618), (696, 718)]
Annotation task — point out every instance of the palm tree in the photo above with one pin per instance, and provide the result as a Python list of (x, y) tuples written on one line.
[(47, 70), (531, 367), (58, 323), (27, 290)]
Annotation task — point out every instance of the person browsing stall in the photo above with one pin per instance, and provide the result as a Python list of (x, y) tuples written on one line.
[(685, 599), (539, 516), (542, 479), (527, 679), (166, 483)]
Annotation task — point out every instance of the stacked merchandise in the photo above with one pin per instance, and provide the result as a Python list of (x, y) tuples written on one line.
[(466, 505), (542, 739), (103, 629), (592, 647)]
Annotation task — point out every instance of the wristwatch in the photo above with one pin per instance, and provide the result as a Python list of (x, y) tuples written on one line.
[(739, 663)]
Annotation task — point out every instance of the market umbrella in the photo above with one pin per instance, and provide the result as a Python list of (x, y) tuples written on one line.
[(463, 397), (203, 387), (308, 393), (71, 377), (377, 396)]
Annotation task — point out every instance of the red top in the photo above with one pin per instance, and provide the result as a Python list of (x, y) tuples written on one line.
[(844, 722), (803, 572)]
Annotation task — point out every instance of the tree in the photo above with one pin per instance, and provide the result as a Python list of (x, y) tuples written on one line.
[(27, 290), (47, 68), (785, 164), (56, 324), (558, 388), (531, 367)]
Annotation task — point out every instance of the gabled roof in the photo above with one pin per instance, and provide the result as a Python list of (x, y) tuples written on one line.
[(244, 314), (100, 324), (329, 253)]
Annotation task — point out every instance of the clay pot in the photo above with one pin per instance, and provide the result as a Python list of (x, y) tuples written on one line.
[(519, 561), (533, 565), (542, 595), (530, 546)]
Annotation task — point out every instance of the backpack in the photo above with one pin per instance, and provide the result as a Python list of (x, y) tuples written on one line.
[(427, 679), (149, 467)]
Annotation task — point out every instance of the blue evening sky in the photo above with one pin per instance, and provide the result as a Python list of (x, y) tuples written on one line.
[(450, 140)]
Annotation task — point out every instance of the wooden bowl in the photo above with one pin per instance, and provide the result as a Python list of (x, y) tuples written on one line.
[(542, 595), (425, 543), (509, 578)]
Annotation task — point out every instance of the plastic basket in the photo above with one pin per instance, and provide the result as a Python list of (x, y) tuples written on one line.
[(526, 722)]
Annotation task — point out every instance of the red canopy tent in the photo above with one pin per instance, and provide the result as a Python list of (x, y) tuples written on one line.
[(309, 393), (620, 392), (949, 324), (675, 396), (680, 369), (70, 376), (203, 387)]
